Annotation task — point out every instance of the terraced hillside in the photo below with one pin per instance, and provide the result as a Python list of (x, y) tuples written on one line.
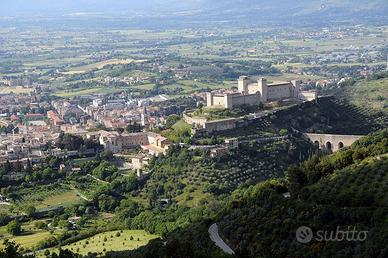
[(331, 115), (192, 174), (371, 93), (327, 115), (345, 190)]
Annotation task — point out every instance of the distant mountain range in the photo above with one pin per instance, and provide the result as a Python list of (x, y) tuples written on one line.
[(203, 10), (40, 7)]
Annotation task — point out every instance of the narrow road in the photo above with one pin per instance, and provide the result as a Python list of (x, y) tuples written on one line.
[(215, 237)]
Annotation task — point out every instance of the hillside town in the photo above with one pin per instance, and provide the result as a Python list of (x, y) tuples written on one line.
[(193, 129), (32, 125)]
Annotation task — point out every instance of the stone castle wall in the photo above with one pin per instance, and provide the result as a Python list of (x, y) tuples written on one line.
[(211, 126), (252, 92), (220, 125), (279, 92), (239, 100)]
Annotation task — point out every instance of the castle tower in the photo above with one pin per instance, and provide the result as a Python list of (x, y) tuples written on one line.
[(263, 89), (144, 117), (209, 99), (228, 102), (243, 82), (296, 88)]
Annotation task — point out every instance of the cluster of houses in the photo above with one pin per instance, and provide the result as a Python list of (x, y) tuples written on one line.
[(36, 126), (126, 80), (24, 147), (119, 112)]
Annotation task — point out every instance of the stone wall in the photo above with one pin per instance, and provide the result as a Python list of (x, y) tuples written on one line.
[(194, 120), (308, 95), (280, 92), (219, 101), (206, 126), (220, 125), (132, 140), (238, 100)]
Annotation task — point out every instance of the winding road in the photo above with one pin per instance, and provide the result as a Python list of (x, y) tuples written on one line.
[(215, 237)]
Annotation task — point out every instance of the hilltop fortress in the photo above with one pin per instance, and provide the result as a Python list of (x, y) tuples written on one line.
[(251, 92)]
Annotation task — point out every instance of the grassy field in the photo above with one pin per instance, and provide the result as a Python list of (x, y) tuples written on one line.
[(145, 86), (16, 90), (181, 126), (65, 199), (373, 94), (300, 65), (110, 241), (291, 76), (332, 44), (28, 239), (71, 94), (47, 198), (190, 86), (97, 65)]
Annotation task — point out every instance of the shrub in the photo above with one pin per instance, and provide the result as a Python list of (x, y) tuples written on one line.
[(14, 228), (40, 225), (4, 218)]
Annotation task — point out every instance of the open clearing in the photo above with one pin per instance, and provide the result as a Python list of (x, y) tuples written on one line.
[(97, 65), (44, 198), (28, 239), (71, 94), (16, 90), (110, 241), (64, 199), (372, 94)]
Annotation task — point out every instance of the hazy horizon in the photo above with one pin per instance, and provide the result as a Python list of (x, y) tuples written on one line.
[(300, 7)]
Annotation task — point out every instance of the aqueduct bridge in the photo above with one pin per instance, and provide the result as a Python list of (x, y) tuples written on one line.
[(333, 142)]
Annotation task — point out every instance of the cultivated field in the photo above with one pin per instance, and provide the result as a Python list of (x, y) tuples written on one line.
[(97, 65)]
